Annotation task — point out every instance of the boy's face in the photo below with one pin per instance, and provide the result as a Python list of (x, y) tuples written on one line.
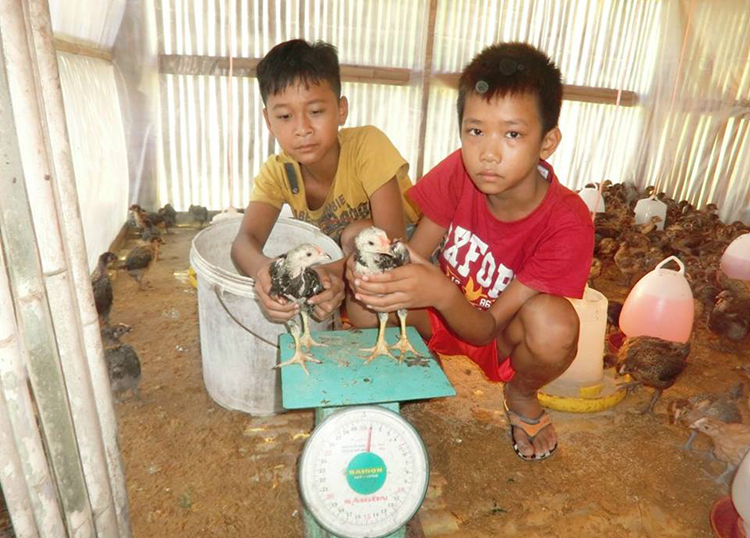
[(502, 142), (305, 120)]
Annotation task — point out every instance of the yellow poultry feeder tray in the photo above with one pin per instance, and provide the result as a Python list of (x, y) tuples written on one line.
[(583, 399)]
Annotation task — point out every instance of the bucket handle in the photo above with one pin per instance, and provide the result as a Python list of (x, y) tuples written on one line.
[(219, 295), (673, 259)]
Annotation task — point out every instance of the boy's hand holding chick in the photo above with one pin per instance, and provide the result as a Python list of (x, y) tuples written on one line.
[(419, 284), (282, 310)]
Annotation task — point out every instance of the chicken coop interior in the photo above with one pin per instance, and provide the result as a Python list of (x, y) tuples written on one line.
[(139, 391)]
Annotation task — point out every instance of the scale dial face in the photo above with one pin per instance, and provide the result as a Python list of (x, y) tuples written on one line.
[(364, 472)]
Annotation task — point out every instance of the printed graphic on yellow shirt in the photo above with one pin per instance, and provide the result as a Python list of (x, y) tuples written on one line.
[(336, 216)]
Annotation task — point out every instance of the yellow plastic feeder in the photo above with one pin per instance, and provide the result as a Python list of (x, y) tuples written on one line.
[(584, 387)]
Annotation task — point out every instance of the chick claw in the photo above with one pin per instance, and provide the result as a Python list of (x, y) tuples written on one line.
[(381, 347), (404, 347), (299, 358), (403, 344)]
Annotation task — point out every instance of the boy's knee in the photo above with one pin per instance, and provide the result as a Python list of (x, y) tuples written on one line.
[(551, 327)]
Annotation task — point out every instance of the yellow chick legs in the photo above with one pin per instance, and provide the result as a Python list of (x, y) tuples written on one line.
[(299, 357), (306, 339), (381, 347), (403, 344)]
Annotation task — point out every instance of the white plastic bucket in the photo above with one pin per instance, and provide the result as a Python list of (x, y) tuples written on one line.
[(237, 365)]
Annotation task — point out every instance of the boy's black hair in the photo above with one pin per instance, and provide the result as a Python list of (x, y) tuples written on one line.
[(512, 69), (298, 61)]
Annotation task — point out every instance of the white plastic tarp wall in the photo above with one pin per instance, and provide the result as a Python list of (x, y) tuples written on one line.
[(94, 118), (97, 144)]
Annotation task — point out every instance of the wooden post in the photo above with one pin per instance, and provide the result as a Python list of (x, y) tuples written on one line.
[(426, 84)]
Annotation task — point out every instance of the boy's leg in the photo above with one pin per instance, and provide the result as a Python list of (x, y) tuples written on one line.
[(542, 341)]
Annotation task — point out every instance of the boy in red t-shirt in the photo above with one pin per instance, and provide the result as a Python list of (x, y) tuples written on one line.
[(518, 242)]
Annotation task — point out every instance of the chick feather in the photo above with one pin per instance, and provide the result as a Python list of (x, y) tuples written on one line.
[(375, 253), (653, 362), (293, 278)]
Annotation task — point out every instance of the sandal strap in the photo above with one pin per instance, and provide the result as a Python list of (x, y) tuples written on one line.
[(530, 426)]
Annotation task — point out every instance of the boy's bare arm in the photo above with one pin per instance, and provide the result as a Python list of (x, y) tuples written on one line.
[(421, 285), (247, 247), (247, 255), (427, 237), (387, 209)]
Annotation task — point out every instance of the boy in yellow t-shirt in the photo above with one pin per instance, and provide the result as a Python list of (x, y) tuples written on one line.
[(340, 181)]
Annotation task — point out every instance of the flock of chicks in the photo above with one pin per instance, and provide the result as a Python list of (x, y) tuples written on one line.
[(123, 364), (698, 238), (293, 278)]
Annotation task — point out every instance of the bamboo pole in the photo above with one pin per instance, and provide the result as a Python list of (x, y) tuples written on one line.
[(104, 471), (32, 309), (43, 303), (26, 481), (12, 479)]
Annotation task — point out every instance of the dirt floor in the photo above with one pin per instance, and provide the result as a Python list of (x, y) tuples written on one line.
[(194, 468)]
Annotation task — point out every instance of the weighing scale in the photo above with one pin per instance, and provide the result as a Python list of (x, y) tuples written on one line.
[(364, 470)]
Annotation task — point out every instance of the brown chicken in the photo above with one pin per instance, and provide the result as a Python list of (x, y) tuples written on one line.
[(725, 408), (594, 271), (730, 319), (635, 261), (101, 285), (653, 362), (199, 213), (606, 248), (651, 225), (111, 335), (627, 261), (140, 259), (148, 222), (169, 215), (731, 442)]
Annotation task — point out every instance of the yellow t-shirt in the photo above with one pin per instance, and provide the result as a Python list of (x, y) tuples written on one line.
[(367, 161)]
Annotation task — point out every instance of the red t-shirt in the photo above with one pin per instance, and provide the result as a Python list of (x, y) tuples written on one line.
[(549, 250)]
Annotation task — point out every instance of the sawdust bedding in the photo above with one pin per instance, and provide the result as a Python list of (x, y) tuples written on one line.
[(194, 468)]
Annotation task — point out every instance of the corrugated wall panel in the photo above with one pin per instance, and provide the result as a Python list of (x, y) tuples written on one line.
[(596, 44)]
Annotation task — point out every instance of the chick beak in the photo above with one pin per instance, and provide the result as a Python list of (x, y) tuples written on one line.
[(323, 254), (384, 245)]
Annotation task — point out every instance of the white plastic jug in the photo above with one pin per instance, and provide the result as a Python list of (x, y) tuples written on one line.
[(660, 305), (649, 207), (735, 262), (593, 199), (587, 368)]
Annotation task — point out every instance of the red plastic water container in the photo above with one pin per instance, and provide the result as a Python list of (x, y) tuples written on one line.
[(660, 305), (735, 262)]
